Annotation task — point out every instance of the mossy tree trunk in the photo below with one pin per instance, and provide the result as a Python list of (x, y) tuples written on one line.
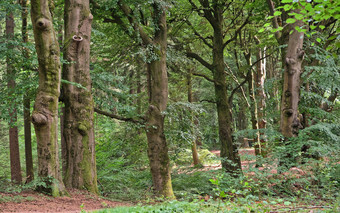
[(45, 113), (78, 132), (229, 153), (157, 145), (214, 14), (16, 176)]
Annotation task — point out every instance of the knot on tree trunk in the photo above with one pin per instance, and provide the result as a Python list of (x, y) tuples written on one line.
[(39, 119), (77, 38), (288, 112), (42, 23)]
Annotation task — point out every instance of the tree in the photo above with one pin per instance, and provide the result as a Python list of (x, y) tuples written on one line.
[(45, 113), (292, 57), (156, 46), (78, 132), (16, 176), (26, 99), (214, 13)]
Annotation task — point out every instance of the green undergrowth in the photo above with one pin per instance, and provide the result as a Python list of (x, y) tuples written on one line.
[(15, 198), (214, 206)]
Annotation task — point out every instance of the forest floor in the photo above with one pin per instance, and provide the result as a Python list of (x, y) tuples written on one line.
[(78, 200), (37, 202)]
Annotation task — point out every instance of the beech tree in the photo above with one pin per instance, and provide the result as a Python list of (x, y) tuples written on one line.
[(78, 131), (214, 12), (156, 45), (45, 113)]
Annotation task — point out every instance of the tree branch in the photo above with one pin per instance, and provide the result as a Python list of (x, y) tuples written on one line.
[(200, 59), (114, 116), (204, 76), (236, 32), (275, 21), (199, 35)]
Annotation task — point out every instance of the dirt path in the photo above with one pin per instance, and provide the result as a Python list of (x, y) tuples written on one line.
[(35, 202)]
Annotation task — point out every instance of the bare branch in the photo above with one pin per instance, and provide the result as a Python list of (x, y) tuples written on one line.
[(200, 59), (198, 34), (118, 117), (204, 76), (236, 32), (275, 21)]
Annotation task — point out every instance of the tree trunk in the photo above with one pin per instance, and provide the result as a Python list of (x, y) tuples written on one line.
[(157, 146), (45, 114), (261, 96), (27, 102), (290, 123), (78, 130), (229, 153), (13, 128), (195, 158)]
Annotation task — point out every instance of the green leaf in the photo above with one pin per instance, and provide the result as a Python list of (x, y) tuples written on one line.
[(290, 21), (312, 27), (322, 27), (318, 40), (287, 7), (277, 13), (261, 30), (287, 1)]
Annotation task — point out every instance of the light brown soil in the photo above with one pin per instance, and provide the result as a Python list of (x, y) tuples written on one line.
[(35, 202)]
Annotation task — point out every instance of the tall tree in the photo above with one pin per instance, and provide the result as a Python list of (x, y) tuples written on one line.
[(16, 176), (292, 57), (215, 14), (45, 113), (78, 132), (26, 100), (156, 44)]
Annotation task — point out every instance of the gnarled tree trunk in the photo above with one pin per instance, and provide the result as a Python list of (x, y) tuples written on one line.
[(78, 132), (290, 122), (45, 114)]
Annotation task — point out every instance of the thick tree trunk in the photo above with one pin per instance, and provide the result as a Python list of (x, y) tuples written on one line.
[(158, 85), (78, 130), (290, 122), (195, 157), (27, 102), (45, 114), (229, 153), (16, 176)]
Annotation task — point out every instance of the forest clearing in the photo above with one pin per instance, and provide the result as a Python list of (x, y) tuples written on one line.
[(169, 106)]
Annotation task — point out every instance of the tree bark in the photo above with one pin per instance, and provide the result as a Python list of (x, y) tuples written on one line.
[(195, 157), (45, 113), (16, 176), (290, 122), (230, 158), (78, 130), (27, 101), (260, 77), (157, 145)]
